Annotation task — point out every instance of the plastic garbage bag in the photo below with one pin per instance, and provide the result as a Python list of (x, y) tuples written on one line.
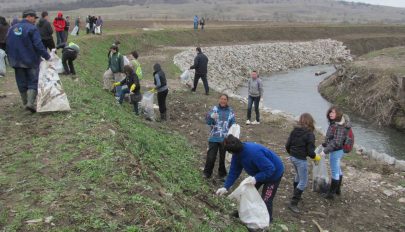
[(320, 175), (252, 209), (2, 62), (186, 79), (56, 62), (235, 131), (126, 61), (74, 31), (51, 96), (146, 106), (98, 30)]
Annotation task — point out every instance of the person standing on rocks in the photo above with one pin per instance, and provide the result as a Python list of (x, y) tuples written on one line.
[(25, 49), (201, 68), (264, 167), (255, 90), (162, 90), (46, 31), (339, 125), (220, 118), (300, 144)]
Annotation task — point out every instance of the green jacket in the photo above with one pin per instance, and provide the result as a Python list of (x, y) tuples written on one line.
[(116, 62), (138, 69)]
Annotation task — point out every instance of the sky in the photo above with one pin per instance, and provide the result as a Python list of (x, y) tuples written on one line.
[(396, 3)]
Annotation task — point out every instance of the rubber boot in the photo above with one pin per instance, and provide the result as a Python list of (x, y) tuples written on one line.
[(295, 184), (294, 200), (24, 98), (31, 97), (332, 191), (339, 185), (163, 117)]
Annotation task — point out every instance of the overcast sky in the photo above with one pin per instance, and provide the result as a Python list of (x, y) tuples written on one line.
[(396, 3)]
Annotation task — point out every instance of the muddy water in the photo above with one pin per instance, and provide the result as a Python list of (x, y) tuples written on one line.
[(296, 92)]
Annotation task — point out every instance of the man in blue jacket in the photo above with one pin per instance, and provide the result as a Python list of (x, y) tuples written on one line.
[(25, 49), (262, 165)]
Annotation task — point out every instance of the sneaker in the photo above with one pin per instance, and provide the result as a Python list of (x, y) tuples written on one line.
[(248, 122), (255, 122)]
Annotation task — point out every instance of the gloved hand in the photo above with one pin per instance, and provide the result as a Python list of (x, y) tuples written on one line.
[(221, 191), (214, 115), (132, 87), (322, 154), (317, 158), (153, 90), (249, 180), (117, 84)]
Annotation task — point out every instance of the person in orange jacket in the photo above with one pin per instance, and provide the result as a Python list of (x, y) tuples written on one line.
[(59, 23)]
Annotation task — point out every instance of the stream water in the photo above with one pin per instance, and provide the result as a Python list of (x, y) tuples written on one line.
[(296, 92)]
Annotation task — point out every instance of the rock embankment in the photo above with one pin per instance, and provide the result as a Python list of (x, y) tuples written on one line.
[(230, 65)]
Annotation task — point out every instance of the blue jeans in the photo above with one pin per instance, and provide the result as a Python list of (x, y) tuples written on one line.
[(121, 99), (301, 169), (26, 78), (60, 37), (334, 159), (252, 100)]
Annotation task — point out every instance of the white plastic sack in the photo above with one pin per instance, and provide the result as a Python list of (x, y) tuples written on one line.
[(235, 131), (74, 31), (56, 62), (88, 25), (252, 209), (126, 61), (2, 62), (320, 175), (186, 79), (98, 30), (51, 96), (146, 105)]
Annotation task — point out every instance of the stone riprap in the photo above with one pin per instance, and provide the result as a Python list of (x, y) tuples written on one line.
[(230, 65)]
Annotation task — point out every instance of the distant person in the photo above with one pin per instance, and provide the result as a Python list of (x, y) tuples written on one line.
[(300, 144), (220, 118), (59, 23), (93, 21), (201, 66), (339, 124), (77, 24), (69, 54), (99, 24), (88, 24), (46, 31), (15, 20), (195, 22), (202, 23), (114, 70), (67, 28), (25, 49), (255, 91), (264, 167), (131, 80), (3, 32), (162, 89), (136, 65)]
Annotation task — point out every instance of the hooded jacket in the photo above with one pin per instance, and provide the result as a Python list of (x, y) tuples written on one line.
[(116, 62), (301, 143), (131, 79), (258, 161), (221, 125), (255, 87), (45, 29), (59, 23), (200, 64), (336, 134), (159, 78), (24, 46)]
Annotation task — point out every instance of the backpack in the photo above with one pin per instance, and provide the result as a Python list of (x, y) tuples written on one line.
[(349, 141)]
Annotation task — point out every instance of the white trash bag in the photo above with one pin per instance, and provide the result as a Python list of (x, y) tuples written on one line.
[(56, 62), (2, 62), (186, 79), (235, 131), (320, 176), (252, 209), (146, 106), (126, 61), (51, 96), (74, 31), (98, 30)]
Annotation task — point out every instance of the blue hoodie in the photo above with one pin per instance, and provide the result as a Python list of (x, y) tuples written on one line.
[(258, 161), (24, 46), (221, 125)]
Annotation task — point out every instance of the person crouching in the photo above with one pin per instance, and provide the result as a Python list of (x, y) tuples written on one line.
[(69, 54), (134, 87)]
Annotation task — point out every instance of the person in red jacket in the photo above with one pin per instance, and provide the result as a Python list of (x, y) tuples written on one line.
[(59, 23)]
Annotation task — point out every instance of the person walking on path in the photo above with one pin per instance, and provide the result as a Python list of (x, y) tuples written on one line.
[(3, 32), (264, 167), (300, 144), (59, 23), (25, 49), (88, 26), (255, 90), (99, 25), (77, 24), (134, 87), (114, 70), (201, 68), (195, 22), (67, 28), (162, 90), (202, 23), (220, 118), (46, 31), (69, 54), (339, 125)]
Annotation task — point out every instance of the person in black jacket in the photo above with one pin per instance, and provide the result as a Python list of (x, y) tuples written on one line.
[(46, 31), (67, 28), (301, 144), (134, 87), (69, 54), (4, 26), (162, 90), (200, 65)]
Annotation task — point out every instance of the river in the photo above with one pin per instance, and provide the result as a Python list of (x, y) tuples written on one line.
[(296, 92)]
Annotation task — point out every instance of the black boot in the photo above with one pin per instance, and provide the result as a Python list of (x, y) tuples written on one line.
[(295, 185), (294, 200), (339, 185), (163, 117), (332, 191)]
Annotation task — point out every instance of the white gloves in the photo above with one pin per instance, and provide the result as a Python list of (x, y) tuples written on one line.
[(249, 180), (221, 191), (322, 154)]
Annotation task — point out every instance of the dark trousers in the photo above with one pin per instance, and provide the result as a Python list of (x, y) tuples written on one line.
[(268, 193), (26, 78), (205, 82), (121, 99), (66, 36), (3, 46), (68, 56), (213, 148), (252, 100), (60, 37), (49, 43), (161, 97)]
